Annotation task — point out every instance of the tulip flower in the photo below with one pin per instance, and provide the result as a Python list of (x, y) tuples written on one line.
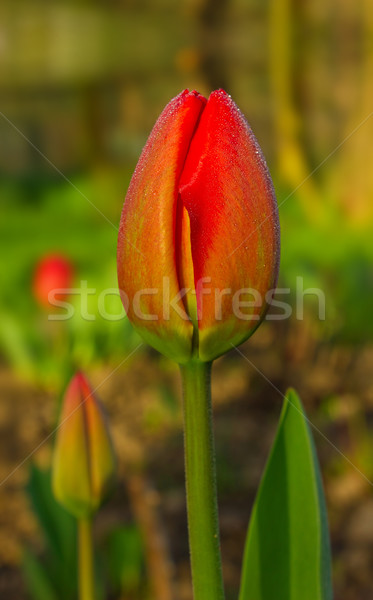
[(198, 256), (198, 247), (83, 461), (53, 272)]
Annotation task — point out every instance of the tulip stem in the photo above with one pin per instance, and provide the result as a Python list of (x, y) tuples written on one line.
[(86, 579), (200, 475)]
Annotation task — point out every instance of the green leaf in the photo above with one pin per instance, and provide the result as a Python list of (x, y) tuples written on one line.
[(58, 526), (37, 579), (59, 529), (124, 559), (287, 553)]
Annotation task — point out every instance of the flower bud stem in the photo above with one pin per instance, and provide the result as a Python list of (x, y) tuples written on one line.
[(86, 583), (201, 483)]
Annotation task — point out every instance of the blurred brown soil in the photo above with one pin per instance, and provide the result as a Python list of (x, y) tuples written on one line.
[(143, 403)]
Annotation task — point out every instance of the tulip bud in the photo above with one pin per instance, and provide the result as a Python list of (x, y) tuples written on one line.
[(198, 246), (83, 460), (53, 272)]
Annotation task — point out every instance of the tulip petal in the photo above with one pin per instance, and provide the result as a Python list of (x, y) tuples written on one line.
[(71, 477), (101, 451), (147, 229), (185, 261), (226, 188)]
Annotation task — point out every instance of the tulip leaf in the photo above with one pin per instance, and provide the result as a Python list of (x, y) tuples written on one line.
[(59, 532), (287, 553), (124, 559), (57, 525), (37, 578)]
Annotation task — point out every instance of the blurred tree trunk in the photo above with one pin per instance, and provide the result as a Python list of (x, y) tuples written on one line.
[(291, 160), (355, 173), (92, 98), (212, 23)]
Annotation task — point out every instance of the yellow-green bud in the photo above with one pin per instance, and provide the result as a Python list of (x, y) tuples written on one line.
[(84, 463)]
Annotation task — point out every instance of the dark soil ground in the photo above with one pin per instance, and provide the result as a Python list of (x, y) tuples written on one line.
[(143, 402)]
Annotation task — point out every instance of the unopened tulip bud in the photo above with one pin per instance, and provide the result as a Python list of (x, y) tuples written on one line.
[(198, 247), (83, 463), (53, 275)]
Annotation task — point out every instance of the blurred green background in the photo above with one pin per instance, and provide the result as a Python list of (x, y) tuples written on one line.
[(82, 84)]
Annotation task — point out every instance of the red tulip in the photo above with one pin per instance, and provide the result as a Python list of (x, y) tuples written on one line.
[(53, 272), (199, 231), (83, 462)]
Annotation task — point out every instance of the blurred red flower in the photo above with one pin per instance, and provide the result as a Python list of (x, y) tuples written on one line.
[(53, 273)]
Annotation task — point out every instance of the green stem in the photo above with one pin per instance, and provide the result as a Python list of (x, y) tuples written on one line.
[(86, 579), (201, 483)]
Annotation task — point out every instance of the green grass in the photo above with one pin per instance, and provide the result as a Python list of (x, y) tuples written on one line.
[(40, 218)]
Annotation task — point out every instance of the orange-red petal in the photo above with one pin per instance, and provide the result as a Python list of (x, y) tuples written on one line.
[(227, 190), (147, 270)]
